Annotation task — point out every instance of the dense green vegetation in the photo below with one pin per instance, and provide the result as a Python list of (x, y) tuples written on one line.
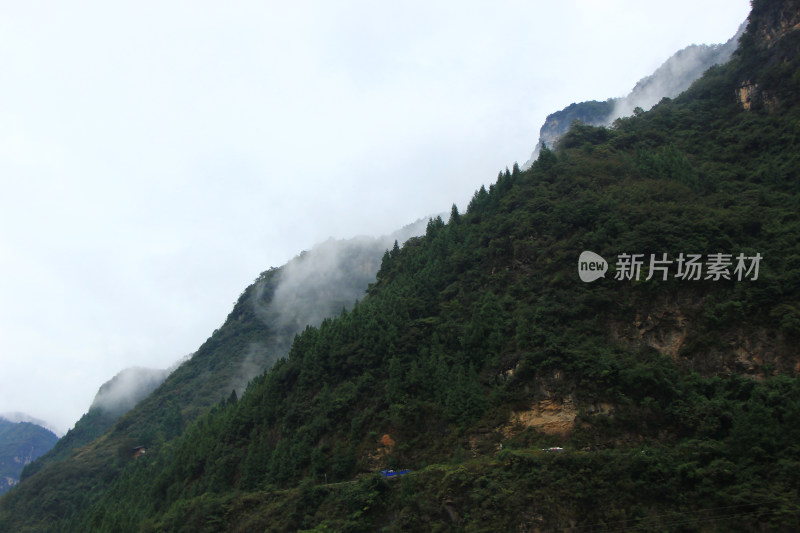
[(79, 469), (90, 426), (115, 398), (679, 398)]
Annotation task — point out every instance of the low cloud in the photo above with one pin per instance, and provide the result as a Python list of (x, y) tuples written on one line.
[(669, 80), (333, 275), (257, 357), (122, 392), (676, 75), (17, 417), (314, 285)]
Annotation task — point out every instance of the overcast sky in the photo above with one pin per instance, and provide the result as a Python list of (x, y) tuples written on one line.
[(155, 157)]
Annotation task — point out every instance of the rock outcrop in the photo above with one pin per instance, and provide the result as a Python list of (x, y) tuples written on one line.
[(668, 81)]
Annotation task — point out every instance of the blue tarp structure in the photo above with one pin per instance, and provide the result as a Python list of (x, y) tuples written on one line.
[(393, 473)]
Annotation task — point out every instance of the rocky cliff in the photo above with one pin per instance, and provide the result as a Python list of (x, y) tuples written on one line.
[(668, 81)]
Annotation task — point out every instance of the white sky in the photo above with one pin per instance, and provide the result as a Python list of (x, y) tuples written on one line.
[(155, 157)]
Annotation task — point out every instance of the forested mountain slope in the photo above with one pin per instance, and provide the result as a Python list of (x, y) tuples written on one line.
[(268, 314), (115, 397), (478, 348)]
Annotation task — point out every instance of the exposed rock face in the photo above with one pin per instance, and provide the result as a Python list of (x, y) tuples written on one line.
[(746, 94), (663, 328), (669, 326), (750, 94), (558, 123), (377, 460), (774, 20), (553, 417)]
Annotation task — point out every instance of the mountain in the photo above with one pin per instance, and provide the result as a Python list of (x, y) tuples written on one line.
[(511, 394), (556, 124), (673, 77), (316, 284), (115, 397), (258, 331), (20, 443), (122, 392), (23, 417)]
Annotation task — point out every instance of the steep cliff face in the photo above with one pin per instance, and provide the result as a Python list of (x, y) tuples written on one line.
[(672, 325), (773, 45), (592, 112), (773, 20)]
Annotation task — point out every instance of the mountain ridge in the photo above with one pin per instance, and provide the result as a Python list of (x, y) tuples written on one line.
[(521, 397), (18, 416), (670, 79), (252, 337), (21, 442)]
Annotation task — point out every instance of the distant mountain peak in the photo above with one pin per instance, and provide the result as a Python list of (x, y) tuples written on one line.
[(21, 441), (673, 77), (16, 417)]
